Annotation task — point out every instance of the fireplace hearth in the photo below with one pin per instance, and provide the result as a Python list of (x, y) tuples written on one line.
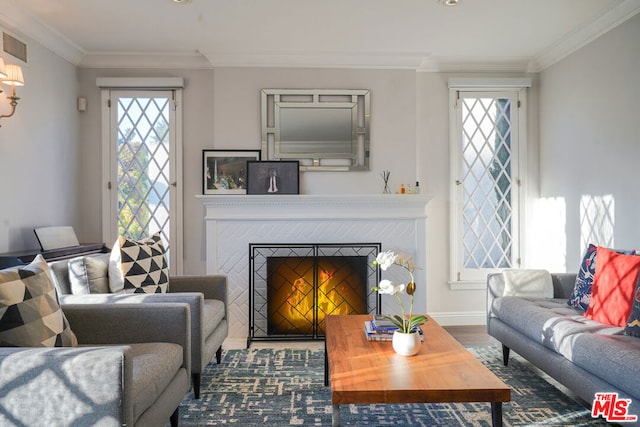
[(295, 286)]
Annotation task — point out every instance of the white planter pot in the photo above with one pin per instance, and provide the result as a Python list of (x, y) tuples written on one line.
[(406, 344)]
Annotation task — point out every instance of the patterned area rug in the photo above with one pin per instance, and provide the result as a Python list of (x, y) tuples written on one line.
[(286, 388)]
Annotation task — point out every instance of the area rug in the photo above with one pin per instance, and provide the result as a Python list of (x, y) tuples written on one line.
[(285, 387)]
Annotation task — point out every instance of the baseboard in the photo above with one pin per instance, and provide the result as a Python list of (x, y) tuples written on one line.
[(460, 318)]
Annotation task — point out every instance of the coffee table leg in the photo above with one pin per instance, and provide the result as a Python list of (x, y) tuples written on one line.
[(335, 416), (496, 414), (326, 365)]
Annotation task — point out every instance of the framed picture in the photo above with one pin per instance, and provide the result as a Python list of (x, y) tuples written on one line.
[(225, 171), (273, 177)]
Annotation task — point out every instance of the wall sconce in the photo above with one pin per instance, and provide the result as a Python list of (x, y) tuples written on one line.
[(11, 74)]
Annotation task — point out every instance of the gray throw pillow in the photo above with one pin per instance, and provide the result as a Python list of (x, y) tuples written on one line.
[(89, 274)]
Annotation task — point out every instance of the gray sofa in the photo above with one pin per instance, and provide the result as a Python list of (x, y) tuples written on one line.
[(585, 356), (206, 296), (131, 369)]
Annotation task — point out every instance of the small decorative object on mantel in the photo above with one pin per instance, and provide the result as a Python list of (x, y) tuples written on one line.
[(385, 178), (406, 339)]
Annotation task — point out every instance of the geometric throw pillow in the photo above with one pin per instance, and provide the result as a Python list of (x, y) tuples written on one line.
[(30, 315), (137, 266), (581, 295), (613, 287), (632, 327), (89, 274)]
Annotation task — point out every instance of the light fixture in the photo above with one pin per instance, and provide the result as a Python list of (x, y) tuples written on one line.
[(449, 2), (11, 74)]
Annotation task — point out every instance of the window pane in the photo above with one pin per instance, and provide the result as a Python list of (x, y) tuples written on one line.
[(487, 183)]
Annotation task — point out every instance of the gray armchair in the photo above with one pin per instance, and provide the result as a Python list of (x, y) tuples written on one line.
[(207, 299), (131, 369)]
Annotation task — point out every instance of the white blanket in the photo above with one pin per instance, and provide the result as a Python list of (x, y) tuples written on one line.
[(528, 283)]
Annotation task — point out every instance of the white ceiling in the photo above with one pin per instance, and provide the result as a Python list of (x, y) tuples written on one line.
[(495, 35)]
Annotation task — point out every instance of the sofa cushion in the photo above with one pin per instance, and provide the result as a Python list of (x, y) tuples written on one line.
[(154, 366), (581, 295), (613, 286), (547, 321), (137, 266), (89, 274), (632, 327), (30, 315)]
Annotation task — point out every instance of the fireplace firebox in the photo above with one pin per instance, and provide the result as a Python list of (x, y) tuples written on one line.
[(294, 286)]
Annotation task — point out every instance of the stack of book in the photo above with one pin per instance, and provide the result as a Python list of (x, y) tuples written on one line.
[(381, 329)]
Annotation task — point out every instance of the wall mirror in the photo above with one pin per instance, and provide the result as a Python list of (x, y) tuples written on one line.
[(324, 129)]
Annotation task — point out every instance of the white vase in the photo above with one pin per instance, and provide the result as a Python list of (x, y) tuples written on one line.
[(406, 344)]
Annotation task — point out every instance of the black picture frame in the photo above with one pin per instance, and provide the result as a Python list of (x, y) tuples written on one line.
[(225, 171), (287, 176)]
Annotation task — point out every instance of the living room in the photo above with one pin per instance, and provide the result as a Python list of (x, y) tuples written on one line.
[(581, 140)]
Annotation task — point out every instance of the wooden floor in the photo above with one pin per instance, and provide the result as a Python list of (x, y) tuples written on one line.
[(471, 335)]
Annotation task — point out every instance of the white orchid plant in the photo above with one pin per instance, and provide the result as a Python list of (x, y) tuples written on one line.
[(407, 322)]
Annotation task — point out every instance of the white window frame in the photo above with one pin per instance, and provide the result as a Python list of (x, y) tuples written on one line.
[(175, 84), (459, 277)]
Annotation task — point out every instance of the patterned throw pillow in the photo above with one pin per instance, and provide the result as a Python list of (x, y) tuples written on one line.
[(137, 266), (632, 327), (30, 315), (581, 296)]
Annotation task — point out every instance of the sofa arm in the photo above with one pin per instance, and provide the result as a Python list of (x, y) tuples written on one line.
[(97, 324), (65, 386), (213, 286)]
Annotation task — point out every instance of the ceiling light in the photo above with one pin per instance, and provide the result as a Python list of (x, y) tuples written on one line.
[(181, 1), (449, 2)]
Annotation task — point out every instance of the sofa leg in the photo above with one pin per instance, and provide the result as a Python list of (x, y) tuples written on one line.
[(505, 355), (175, 417), (219, 355), (195, 380)]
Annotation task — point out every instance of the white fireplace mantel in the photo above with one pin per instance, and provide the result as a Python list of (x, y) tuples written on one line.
[(316, 206), (397, 221)]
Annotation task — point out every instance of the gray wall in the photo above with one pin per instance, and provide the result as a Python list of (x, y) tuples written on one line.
[(39, 150), (589, 134)]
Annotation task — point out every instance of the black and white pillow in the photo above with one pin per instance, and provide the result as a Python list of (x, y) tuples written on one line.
[(30, 315), (137, 266)]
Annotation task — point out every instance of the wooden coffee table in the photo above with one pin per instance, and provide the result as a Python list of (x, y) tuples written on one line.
[(362, 371)]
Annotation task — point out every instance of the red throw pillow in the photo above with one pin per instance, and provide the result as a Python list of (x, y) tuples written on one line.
[(613, 285)]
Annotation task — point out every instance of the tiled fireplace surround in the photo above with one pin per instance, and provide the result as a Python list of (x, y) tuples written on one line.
[(234, 221)]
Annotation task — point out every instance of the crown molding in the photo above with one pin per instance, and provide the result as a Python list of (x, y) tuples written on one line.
[(22, 22), (584, 35), (317, 59), (439, 64), (177, 60)]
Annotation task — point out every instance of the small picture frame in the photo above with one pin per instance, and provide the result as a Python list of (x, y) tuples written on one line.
[(273, 177), (225, 171)]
